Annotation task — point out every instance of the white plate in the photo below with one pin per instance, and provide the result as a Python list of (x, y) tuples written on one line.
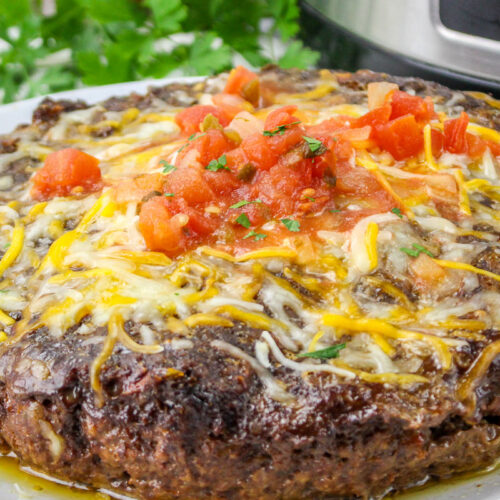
[(19, 486)]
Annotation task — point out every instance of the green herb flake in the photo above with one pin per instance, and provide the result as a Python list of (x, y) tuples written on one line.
[(334, 210), (397, 211), (280, 129), (191, 138), (219, 164), (256, 236), (243, 220), (7, 245), (167, 168), (315, 145), (243, 203), (4, 291), (169, 195), (310, 198), (328, 353), (291, 224), (416, 250)]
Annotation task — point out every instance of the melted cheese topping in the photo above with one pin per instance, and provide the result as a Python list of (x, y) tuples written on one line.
[(100, 273)]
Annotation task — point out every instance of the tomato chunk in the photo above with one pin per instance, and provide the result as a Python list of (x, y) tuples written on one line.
[(475, 145), (402, 137), (65, 170), (455, 140), (238, 78), (160, 230), (404, 104), (280, 116), (190, 119), (377, 116)]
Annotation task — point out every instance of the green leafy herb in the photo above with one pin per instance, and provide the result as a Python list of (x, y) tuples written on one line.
[(219, 164), (96, 42), (310, 198), (242, 203), (4, 291), (316, 147), (280, 129), (243, 220), (192, 137), (328, 353), (7, 245), (397, 211), (291, 224), (334, 210), (257, 236), (167, 167), (169, 195), (416, 250)]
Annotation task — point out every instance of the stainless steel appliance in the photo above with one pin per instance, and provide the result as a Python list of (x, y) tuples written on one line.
[(456, 42)]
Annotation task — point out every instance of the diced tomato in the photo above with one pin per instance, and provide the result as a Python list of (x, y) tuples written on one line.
[(136, 189), (200, 223), (65, 170), (258, 151), (437, 141), (378, 116), (188, 183), (221, 182), (326, 128), (455, 140), (281, 143), (160, 230), (475, 145), (237, 79), (401, 137), (210, 146), (231, 104), (280, 116), (494, 147), (190, 119), (404, 104)]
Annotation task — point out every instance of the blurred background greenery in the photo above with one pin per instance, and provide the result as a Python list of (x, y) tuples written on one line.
[(53, 45)]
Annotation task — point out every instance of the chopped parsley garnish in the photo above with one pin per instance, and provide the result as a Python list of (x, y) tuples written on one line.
[(192, 137), (4, 291), (169, 195), (218, 164), (7, 245), (310, 198), (334, 210), (167, 167), (242, 203), (397, 211), (291, 224), (328, 353), (316, 147), (243, 220), (256, 236), (280, 129), (416, 250)]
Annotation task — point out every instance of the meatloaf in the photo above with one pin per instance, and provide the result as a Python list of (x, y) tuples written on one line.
[(254, 286)]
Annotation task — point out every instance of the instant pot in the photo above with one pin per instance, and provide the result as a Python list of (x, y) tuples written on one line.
[(455, 42)]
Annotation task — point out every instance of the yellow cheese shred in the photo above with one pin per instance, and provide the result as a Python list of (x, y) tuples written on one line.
[(370, 325), (268, 253), (207, 319), (462, 192), (5, 319), (15, 247), (467, 267), (371, 244), (429, 157), (255, 320)]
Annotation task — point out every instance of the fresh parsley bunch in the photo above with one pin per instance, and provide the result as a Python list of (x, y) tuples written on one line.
[(50, 46)]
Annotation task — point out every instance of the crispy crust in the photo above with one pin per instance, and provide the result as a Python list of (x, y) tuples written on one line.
[(214, 433)]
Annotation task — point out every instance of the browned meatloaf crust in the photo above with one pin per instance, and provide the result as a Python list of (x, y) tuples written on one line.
[(214, 433)]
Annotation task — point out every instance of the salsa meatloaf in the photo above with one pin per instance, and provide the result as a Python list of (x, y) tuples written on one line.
[(255, 286)]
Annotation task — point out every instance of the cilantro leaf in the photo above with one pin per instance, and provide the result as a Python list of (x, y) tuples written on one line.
[(311, 199), (167, 167), (280, 129), (397, 211), (316, 147), (416, 250), (328, 353), (167, 14), (169, 195), (291, 224), (257, 236), (243, 220), (298, 56), (334, 210), (242, 203), (219, 164)]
